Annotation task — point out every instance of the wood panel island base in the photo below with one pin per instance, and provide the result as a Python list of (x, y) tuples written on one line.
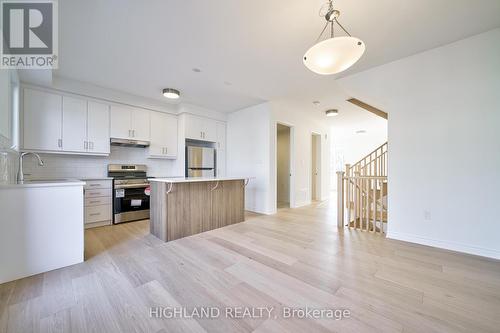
[(183, 207)]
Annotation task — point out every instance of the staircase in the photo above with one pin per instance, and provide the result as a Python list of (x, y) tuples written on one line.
[(362, 193)]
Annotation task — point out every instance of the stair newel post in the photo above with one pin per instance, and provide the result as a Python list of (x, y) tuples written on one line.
[(340, 199)]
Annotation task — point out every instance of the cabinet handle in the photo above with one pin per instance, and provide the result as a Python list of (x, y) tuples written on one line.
[(94, 202), (133, 133), (166, 150), (85, 145), (201, 135), (95, 214), (59, 143), (91, 145)]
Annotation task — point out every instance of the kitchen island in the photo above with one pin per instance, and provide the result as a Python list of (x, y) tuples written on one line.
[(181, 207)]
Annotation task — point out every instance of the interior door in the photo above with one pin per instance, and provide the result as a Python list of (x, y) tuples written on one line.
[(42, 113), (74, 124), (98, 128), (141, 124), (120, 122)]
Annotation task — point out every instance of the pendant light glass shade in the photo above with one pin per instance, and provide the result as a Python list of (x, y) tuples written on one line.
[(334, 55)]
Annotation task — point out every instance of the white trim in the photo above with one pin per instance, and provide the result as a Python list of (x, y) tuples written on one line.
[(447, 245)]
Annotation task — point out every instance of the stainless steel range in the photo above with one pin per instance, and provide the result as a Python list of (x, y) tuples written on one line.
[(130, 192)]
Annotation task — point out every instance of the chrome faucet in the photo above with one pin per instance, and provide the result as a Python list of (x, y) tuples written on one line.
[(20, 174)]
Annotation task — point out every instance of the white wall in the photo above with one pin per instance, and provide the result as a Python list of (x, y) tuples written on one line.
[(252, 143), (283, 164), (9, 124), (248, 154), (444, 143), (304, 123)]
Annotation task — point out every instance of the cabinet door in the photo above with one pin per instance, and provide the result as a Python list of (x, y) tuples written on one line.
[(140, 124), (171, 136), (121, 122), (42, 120), (98, 128), (158, 135), (74, 124), (221, 135), (209, 130), (163, 135), (194, 127)]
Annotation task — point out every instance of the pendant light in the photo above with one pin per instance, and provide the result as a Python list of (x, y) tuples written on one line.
[(335, 54)]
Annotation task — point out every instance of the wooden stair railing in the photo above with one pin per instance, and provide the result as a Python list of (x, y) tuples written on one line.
[(373, 164), (362, 193)]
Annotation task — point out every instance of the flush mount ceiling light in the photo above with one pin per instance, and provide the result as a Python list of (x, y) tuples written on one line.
[(331, 112), (171, 93), (335, 54), (361, 132)]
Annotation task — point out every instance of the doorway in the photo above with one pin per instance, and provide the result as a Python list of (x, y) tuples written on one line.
[(283, 166), (315, 167)]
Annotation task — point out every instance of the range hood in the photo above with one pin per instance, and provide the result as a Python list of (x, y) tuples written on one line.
[(129, 143)]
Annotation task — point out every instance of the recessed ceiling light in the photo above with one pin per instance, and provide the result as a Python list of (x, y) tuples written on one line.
[(171, 93), (332, 112), (196, 70), (316, 102), (361, 132)]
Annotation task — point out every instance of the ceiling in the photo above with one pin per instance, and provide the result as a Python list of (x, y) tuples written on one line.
[(248, 51)]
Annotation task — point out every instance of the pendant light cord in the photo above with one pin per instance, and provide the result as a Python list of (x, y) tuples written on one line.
[(331, 21), (340, 25)]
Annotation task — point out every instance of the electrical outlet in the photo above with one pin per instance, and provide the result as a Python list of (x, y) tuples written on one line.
[(427, 215)]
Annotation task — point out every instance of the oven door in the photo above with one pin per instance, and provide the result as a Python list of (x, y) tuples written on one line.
[(130, 202)]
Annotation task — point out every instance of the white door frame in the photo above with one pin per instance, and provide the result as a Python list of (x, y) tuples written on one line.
[(319, 163), (292, 164)]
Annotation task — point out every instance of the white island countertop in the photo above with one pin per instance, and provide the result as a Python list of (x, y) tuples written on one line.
[(195, 179)]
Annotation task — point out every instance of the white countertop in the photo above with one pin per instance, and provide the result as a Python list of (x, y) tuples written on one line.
[(195, 179), (43, 183)]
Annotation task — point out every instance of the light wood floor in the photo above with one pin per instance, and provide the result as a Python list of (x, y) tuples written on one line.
[(296, 258)]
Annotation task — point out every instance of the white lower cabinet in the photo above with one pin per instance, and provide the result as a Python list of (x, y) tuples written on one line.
[(98, 203), (163, 142)]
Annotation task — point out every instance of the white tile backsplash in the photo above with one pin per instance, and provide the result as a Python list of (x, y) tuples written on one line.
[(78, 166)]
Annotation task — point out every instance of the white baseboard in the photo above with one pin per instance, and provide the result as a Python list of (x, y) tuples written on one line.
[(447, 245)]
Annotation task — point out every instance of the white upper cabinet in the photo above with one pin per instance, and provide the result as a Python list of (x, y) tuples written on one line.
[(98, 128), (140, 124), (163, 136), (129, 123), (199, 128), (42, 120), (74, 124), (121, 122), (66, 124)]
